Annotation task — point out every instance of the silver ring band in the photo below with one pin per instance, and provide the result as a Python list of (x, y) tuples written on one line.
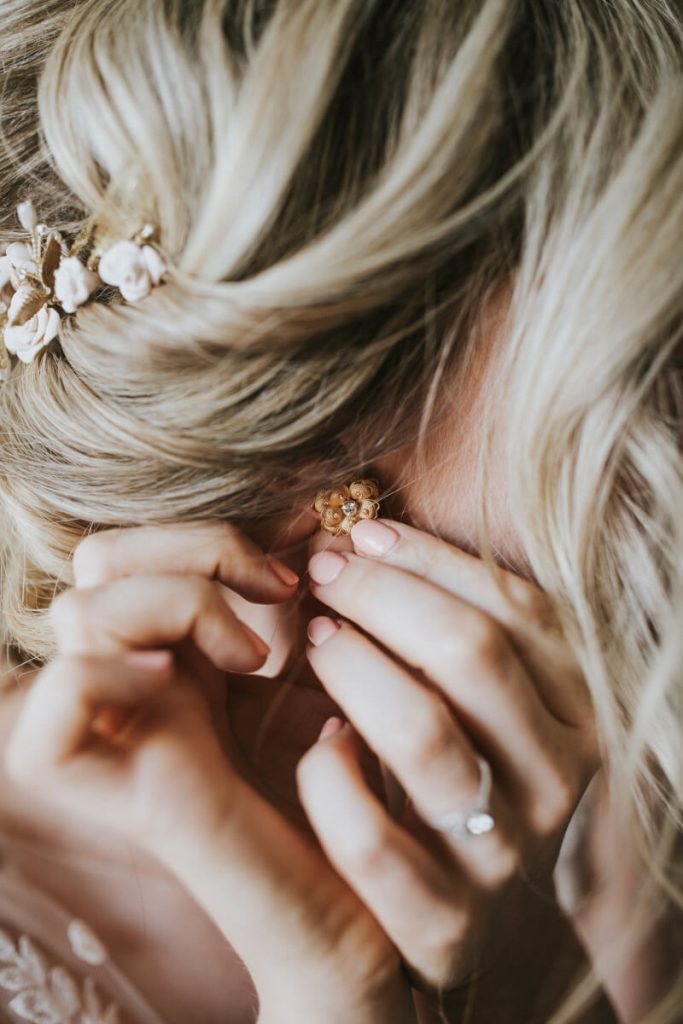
[(475, 819)]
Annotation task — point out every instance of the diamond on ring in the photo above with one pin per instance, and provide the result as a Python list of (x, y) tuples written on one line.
[(479, 824), (475, 820)]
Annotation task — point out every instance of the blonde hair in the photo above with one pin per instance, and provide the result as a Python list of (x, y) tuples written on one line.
[(341, 185)]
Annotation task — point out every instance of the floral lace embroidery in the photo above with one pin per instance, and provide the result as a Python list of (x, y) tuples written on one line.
[(48, 995), (85, 943)]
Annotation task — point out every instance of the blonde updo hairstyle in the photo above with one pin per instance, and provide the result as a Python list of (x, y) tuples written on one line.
[(340, 187)]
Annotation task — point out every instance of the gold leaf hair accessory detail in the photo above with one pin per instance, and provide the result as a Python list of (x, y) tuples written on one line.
[(47, 278), (341, 508)]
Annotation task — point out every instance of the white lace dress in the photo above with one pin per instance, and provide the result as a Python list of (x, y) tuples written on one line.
[(70, 981)]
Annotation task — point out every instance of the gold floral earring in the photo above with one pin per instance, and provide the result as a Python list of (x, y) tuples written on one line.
[(342, 507)]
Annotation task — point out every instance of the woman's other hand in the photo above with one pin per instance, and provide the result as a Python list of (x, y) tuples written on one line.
[(127, 727), (137, 689), (433, 669)]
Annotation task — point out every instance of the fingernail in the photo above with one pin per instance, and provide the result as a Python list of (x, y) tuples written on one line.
[(283, 572), (331, 727), (373, 538), (260, 645), (151, 661), (326, 566), (321, 629)]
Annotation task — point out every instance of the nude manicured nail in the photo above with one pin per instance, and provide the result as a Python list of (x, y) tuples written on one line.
[(331, 727), (260, 645), (373, 538), (326, 566), (321, 629), (283, 572)]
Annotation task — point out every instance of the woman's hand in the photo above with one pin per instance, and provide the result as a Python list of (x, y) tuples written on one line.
[(136, 693), (127, 726), (433, 670)]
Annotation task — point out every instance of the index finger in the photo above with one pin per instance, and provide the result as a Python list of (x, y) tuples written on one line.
[(450, 568), (215, 549), (527, 614)]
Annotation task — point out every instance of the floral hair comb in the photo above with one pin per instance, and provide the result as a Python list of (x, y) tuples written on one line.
[(47, 278)]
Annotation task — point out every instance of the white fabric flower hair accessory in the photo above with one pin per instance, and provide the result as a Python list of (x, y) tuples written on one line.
[(47, 278)]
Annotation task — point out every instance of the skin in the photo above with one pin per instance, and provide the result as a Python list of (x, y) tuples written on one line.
[(341, 909)]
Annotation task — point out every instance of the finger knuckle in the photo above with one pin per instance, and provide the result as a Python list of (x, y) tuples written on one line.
[(447, 648), (555, 806), (471, 645), (485, 642), (530, 599), (426, 738), (364, 851), (95, 557)]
